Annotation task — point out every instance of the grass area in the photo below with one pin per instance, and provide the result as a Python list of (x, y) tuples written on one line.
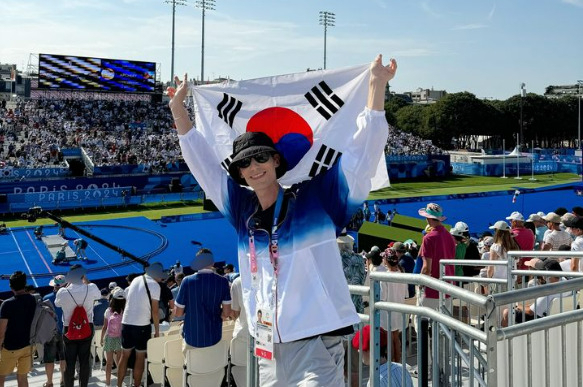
[(459, 184), (452, 185)]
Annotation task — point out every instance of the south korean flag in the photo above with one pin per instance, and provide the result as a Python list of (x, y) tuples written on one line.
[(310, 117)]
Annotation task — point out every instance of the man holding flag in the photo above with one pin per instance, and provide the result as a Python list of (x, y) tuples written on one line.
[(308, 132)]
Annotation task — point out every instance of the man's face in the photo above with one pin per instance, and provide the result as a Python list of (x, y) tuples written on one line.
[(260, 175)]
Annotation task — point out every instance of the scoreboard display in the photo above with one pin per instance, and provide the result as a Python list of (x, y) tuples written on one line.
[(65, 72)]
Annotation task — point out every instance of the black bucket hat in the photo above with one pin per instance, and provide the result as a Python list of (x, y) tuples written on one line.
[(251, 144)]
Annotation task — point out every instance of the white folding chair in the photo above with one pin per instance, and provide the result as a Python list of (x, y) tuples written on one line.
[(155, 358), (205, 367), (174, 362)]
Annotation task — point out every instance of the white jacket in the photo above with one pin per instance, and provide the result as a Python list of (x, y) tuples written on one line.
[(311, 296)]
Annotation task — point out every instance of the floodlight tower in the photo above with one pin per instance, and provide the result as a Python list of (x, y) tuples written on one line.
[(204, 5), (174, 4), (522, 95), (327, 19)]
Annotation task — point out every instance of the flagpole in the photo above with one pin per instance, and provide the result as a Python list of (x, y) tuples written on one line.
[(532, 160), (518, 157), (504, 159)]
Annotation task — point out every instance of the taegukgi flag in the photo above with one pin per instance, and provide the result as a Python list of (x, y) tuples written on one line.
[(311, 117)]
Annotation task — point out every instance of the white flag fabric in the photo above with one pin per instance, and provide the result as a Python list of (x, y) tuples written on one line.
[(311, 117)]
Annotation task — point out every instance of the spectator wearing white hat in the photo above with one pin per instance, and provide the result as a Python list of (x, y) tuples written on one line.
[(523, 236), (353, 266), (555, 237), (503, 243), (540, 229)]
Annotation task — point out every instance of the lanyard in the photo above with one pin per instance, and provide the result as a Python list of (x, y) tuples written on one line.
[(273, 241)]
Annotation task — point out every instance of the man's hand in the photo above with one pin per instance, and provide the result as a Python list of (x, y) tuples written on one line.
[(176, 104), (379, 77), (178, 95), (380, 73)]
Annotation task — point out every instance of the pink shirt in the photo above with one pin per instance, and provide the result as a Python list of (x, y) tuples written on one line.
[(525, 239), (438, 244)]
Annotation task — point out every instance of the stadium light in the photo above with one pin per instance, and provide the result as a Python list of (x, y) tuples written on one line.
[(522, 95), (579, 84), (327, 19), (204, 5), (174, 4)]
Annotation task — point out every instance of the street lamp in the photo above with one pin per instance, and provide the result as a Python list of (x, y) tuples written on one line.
[(522, 95), (327, 19), (174, 4), (204, 5)]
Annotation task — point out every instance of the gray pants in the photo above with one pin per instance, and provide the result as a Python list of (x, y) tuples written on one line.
[(315, 362)]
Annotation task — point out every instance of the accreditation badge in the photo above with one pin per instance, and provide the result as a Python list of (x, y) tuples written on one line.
[(264, 333)]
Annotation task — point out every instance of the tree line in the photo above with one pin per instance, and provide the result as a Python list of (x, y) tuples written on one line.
[(456, 120)]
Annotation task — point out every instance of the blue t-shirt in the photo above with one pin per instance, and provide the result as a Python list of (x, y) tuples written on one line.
[(99, 309), (202, 295), (51, 297)]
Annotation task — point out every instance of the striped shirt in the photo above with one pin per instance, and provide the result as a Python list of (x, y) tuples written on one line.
[(201, 296), (396, 375)]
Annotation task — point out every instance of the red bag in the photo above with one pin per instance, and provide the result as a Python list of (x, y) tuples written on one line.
[(79, 327)]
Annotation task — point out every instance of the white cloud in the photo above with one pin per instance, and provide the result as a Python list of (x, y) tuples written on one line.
[(426, 7), (475, 26), (577, 3)]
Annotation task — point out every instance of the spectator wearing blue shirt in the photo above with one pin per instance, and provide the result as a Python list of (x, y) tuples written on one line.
[(204, 299), (100, 307), (55, 348)]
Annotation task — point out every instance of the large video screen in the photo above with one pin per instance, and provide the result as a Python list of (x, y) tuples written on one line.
[(95, 74)]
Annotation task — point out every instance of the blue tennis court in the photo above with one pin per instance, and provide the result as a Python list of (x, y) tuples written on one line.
[(147, 239)]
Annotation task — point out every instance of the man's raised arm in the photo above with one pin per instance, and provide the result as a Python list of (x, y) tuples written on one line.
[(379, 77)]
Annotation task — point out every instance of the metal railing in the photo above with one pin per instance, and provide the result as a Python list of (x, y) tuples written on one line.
[(462, 340)]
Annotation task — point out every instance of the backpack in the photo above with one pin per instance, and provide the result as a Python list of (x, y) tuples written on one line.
[(79, 327), (44, 323), (114, 325)]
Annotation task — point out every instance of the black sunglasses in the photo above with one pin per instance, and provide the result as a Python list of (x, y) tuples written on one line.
[(261, 158)]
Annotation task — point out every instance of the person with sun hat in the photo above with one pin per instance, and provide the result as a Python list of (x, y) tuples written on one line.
[(289, 260)]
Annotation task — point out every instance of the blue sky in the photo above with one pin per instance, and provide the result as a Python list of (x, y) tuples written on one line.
[(486, 47)]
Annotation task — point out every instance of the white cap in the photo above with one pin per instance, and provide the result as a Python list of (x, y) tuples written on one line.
[(516, 216), (462, 226)]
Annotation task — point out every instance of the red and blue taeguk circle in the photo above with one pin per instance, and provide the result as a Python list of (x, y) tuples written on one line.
[(290, 133)]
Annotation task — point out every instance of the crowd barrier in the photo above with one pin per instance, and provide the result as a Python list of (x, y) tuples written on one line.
[(462, 342)]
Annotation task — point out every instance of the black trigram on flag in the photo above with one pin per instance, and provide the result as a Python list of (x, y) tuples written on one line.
[(228, 109), (226, 162), (324, 160), (323, 99)]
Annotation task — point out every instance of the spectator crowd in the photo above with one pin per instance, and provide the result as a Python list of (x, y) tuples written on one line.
[(33, 133)]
